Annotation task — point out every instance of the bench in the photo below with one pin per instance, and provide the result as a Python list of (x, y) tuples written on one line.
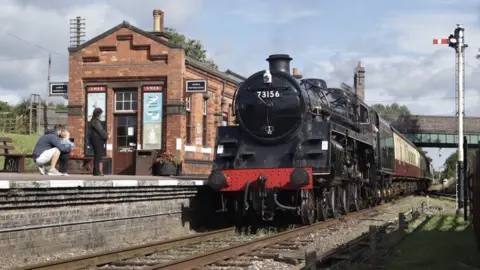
[(13, 162)]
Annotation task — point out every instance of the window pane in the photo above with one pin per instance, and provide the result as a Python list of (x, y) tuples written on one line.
[(134, 106), (121, 141), (134, 96), (121, 131), (119, 96), (121, 121), (127, 106), (119, 106)]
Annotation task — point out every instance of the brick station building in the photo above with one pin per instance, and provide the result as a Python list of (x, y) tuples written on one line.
[(126, 69)]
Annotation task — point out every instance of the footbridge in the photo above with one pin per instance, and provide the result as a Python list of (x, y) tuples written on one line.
[(436, 131)]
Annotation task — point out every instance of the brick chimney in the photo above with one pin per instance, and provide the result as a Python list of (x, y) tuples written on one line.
[(359, 81), (295, 74), (157, 20)]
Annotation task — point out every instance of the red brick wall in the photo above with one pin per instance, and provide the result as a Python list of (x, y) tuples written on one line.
[(218, 90), (126, 64)]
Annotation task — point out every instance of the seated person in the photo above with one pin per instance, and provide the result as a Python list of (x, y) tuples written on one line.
[(65, 157), (48, 149)]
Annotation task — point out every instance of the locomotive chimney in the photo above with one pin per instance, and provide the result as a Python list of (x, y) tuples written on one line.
[(280, 62), (295, 74), (157, 20)]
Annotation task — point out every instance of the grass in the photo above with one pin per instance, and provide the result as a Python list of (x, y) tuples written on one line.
[(23, 144), (445, 242)]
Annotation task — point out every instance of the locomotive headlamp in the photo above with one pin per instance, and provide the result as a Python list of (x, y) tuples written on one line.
[(267, 76)]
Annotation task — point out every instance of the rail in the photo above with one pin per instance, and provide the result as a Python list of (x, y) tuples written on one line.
[(221, 255), (126, 253)]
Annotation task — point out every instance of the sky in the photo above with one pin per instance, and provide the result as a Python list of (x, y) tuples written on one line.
[(392, 39)]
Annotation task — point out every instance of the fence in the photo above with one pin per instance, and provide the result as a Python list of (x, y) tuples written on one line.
[(363, 248), (41, 120)]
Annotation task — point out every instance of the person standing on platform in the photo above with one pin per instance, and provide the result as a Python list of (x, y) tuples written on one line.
[(97, 138)]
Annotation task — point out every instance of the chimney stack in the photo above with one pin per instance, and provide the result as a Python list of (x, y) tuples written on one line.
[(157, 20), (296, 75), (359, 81), (279, 62)]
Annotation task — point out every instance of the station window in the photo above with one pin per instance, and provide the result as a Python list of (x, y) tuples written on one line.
[(126, 101), (204, 122), (188, 108)]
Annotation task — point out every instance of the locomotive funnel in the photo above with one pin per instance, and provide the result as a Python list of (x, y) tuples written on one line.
[(280, 62)]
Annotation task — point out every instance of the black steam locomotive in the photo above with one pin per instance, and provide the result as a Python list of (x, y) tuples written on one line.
[(304, 147)]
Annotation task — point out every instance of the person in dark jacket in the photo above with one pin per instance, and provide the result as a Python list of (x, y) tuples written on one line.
[(97, 138), (48, 149)]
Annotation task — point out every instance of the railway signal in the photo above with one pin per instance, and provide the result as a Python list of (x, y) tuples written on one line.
[(457, 42)]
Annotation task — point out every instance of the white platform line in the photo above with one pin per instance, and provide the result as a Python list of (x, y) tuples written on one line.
[(4, 184), (168, 182), (66, 183), (199, 182), (125, 183)]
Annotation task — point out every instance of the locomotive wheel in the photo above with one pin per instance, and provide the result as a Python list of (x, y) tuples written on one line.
[(343, 199), (308, 206), (322, 208), (355, 195), (332, 203)]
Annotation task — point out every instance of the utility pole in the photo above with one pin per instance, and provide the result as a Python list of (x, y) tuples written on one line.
[(457, 42), (45, 111)]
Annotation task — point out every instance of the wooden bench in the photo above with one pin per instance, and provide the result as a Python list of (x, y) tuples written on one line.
[(13, 162)]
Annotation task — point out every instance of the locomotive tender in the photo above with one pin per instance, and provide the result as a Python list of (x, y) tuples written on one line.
[(304, 147)]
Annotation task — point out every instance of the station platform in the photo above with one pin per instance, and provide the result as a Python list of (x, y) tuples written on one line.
[(31, 180)]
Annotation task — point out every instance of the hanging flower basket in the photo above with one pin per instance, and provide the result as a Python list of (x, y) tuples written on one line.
[(167, 165)]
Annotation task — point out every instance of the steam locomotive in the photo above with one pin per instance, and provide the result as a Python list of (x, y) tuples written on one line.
[(309, 149)]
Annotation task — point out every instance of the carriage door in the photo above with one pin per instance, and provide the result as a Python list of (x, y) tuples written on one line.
[(125, 132)]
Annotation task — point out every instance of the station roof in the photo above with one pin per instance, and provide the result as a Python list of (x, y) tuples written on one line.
[(228, 75)]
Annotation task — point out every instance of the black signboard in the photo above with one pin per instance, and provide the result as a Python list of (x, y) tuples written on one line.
[(58, 89), (196, 86)]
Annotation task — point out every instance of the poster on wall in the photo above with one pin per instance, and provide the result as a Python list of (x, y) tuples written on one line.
[(94, 100), (152, 120)]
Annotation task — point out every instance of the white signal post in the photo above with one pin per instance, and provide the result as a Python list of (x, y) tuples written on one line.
[(457, 42)]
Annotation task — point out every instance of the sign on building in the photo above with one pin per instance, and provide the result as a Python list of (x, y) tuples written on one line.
[(196, 86), (58, 88)]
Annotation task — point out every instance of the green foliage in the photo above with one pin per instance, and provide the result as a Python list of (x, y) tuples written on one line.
[(23, 144), (450, 164), (393, 109), (193, 48)]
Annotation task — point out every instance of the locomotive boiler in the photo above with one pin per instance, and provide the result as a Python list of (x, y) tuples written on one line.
[(304, 147)]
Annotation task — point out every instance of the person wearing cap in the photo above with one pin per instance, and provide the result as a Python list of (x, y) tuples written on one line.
[(97, 138)]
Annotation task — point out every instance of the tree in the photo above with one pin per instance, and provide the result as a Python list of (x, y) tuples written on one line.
[(450, 164), (193, 48), (394, 109)]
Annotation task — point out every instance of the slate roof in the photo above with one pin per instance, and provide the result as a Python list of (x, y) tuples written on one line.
[(228, 75)]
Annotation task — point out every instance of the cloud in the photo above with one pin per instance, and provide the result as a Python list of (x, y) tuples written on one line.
[(31, 30)]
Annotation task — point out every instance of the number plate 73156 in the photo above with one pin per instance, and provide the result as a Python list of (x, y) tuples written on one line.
[(268, 94)]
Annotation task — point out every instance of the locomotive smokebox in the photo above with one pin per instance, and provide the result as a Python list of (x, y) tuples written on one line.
[(280, 62)]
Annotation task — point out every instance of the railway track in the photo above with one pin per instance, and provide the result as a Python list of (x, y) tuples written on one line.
[(443, 196), (221, 249)]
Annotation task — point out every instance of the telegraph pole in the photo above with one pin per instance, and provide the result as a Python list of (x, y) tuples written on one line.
[(457, 42)]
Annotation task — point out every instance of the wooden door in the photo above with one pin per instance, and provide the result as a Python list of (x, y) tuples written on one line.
[(125, 143)]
